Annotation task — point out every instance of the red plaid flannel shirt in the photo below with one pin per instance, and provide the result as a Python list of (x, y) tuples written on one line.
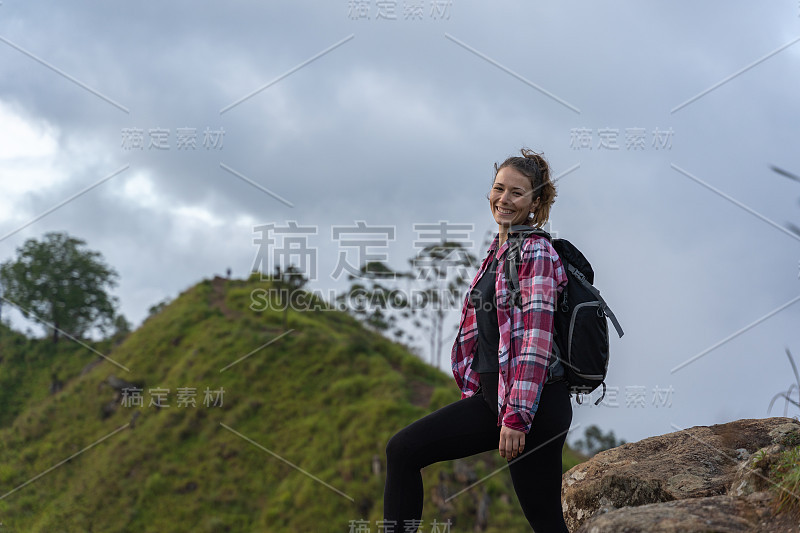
[(526, 335)]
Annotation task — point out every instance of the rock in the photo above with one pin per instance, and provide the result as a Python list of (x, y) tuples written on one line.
[(134, 416), (119, 384), (753, 474), (694, 463), (722, 514), (781, 431), (742, 454)]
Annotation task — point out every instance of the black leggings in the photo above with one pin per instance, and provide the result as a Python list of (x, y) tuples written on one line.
[(468, 427)]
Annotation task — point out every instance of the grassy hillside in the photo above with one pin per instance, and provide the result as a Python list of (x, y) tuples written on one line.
[(325, 397)]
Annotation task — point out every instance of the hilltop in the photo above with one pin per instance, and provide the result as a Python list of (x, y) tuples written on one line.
[(324, 395)]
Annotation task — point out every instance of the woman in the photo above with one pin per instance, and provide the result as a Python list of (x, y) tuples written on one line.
[(502, 362)]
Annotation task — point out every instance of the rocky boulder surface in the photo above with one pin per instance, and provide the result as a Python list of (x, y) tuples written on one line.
[(704, 478)]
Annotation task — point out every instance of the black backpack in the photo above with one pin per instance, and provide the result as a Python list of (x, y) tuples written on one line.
[(581, 330)]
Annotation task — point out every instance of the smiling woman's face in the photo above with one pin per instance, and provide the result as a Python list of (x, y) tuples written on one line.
[(510, 197)]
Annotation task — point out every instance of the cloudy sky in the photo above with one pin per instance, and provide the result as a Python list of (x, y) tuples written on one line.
[(191, 123)]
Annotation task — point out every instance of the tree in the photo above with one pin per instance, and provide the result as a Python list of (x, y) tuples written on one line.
[(122, 328), (62, 284), (436, 261), (288, 282), (374, 303), (437, 279), (153, 310), (595, 441)]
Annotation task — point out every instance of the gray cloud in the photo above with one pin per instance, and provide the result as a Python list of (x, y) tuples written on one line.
[(401, 125)]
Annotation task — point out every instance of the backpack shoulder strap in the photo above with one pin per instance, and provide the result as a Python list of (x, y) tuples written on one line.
[(515, 237), (522, 229)]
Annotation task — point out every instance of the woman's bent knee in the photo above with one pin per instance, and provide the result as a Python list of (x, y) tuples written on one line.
[(398, 449)]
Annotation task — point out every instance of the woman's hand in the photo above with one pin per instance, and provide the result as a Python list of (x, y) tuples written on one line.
[(512, 442)]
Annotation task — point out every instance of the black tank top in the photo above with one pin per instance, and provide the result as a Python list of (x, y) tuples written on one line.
[(483, 298)]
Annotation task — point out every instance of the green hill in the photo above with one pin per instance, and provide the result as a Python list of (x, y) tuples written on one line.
[(325, 396)]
